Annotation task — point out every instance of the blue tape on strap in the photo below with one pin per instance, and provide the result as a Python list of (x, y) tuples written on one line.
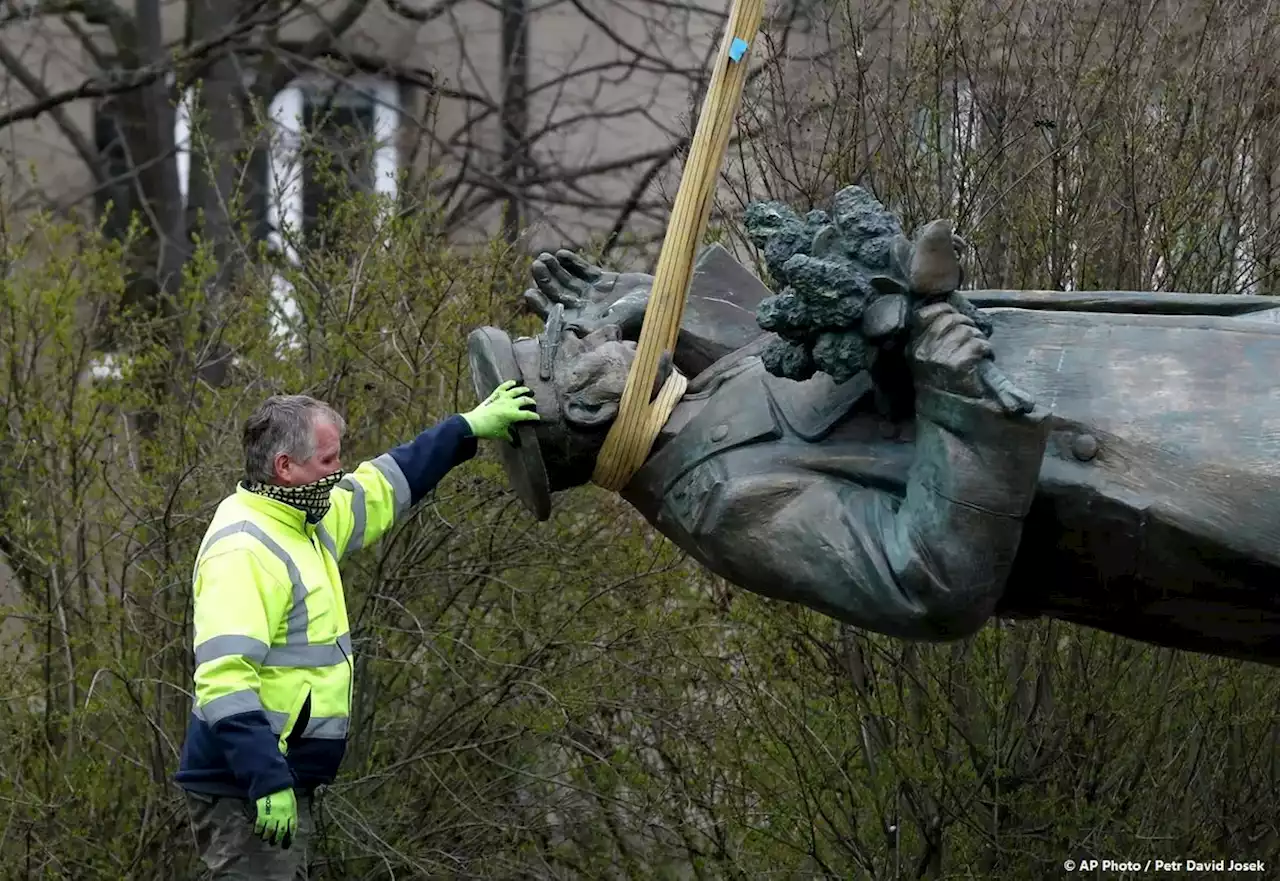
[(738, 48)]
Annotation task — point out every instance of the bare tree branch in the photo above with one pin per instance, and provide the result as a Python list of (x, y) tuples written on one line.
[(86, 42), (425, 16), (37, 90), (109, 84), (632, 205), (273, 77), (612, 34), (93, 11), (119, 23)]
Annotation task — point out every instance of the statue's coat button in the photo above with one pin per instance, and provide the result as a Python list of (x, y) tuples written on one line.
[(1084, 447), (719, 432)]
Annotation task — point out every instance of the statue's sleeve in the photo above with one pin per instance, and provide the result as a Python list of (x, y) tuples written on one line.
[(930, 563)]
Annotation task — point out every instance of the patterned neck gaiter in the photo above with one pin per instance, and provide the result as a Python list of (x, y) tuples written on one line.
[(311, 498)]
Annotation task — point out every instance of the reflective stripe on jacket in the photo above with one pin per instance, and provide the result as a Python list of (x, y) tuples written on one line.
[(273, 654)]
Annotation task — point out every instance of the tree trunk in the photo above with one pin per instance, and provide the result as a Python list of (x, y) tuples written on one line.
[(515, 109)]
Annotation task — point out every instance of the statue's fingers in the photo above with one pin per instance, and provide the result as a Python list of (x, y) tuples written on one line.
[(579, 267), (924, 325), (923, 342), (540, 264), (953, 321), (926, 315), (958, 330), (550, 285), (979, 349), (953, 343), (940, 324), (563, 276), (937, 319), (536, 302), (542, 278), (602, 333), (948, 353)]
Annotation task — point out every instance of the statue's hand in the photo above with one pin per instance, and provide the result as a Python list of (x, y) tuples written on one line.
[(592, 297), (946, 351)]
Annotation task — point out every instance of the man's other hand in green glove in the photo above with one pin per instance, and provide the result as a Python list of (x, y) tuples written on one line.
[(502, 409), (277, 818)]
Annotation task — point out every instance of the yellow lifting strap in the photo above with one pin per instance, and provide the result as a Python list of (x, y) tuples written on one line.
[(639, 421)]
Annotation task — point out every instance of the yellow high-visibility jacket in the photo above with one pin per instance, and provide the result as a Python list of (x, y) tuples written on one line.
[(273, 653)]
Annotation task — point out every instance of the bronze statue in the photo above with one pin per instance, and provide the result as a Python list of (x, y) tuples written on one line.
[(864, 458)]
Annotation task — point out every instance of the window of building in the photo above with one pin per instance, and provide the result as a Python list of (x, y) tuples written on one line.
[(326, 135), (325, 132), (322, 132), (119, 198), (116, 199)]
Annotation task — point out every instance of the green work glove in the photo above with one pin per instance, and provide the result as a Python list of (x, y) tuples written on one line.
[(277, 818), (500, 411)]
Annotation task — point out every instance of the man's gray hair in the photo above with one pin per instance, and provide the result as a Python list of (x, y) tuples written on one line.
[(283, 424)]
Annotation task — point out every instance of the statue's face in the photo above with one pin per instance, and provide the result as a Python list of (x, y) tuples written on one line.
[(588, 377), (591, 374)]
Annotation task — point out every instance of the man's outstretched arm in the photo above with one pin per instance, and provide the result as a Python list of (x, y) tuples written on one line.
[(367, 503)]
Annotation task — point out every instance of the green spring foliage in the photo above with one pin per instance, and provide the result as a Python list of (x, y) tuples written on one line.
[(568, 700), (574, 699)]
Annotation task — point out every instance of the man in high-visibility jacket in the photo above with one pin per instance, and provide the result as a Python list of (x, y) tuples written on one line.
[(273, 676)]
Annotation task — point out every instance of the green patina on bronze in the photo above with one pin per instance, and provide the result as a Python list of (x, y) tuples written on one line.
[(1141, 496)]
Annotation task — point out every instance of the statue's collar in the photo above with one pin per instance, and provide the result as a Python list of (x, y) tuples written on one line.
[(813, 407)]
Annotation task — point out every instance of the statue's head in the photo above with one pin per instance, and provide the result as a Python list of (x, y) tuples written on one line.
[(577, 383)]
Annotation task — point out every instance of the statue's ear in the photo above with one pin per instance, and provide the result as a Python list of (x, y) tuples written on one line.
[(570, 347), (592, 398), (588, 414)]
